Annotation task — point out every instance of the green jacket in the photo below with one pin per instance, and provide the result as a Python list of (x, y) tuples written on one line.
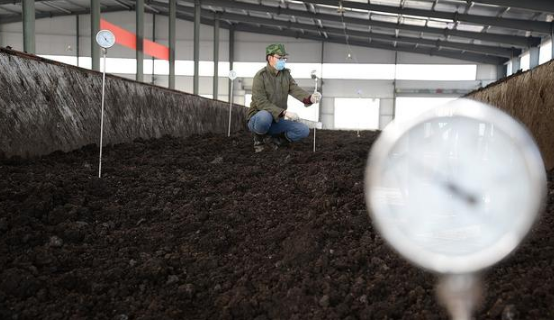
[(270, 91)]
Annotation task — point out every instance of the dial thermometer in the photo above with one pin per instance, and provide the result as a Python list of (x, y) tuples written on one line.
[(232, 77), (105, 39), (456, 189)]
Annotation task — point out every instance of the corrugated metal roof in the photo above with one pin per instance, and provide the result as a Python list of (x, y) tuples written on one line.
[(477, 30)]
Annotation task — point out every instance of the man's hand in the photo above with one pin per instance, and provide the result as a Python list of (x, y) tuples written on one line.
[(291, 116), (315, 97)]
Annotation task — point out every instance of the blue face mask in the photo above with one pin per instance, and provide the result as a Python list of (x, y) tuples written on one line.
[(280, 65)]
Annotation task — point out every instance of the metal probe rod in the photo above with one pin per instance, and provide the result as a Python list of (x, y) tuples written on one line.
[(104, 51)]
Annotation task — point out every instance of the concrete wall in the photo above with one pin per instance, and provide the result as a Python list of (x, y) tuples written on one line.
[(47, 106), (528, 97)]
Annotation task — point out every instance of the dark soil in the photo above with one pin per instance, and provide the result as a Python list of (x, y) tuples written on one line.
[(203, 228)]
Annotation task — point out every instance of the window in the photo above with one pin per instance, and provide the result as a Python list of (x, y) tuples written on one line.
[(410, 107), (356, 113)]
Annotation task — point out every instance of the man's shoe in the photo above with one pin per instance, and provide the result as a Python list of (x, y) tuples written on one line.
[(280, 141), (259, 144)]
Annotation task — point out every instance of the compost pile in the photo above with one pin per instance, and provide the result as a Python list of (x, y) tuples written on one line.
[(203, 228)]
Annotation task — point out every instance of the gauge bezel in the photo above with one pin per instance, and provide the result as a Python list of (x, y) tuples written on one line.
[(475, 111), (101, 42)]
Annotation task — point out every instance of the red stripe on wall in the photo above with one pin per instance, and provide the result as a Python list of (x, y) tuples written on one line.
[(156, 50), (129, 40)]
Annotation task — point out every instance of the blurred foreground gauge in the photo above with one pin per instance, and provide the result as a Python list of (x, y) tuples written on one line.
[(455, 190)]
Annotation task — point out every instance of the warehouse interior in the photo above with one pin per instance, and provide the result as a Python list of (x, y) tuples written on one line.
[(130, 188), (388, 53)]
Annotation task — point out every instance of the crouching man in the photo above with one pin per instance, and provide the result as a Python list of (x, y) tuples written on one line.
[(268, 118)]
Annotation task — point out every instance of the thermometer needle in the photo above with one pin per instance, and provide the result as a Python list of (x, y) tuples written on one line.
[(466, 196), (454, 189)]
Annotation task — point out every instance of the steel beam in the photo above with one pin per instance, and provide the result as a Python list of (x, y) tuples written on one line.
[(196, 79), (467, 56), (172, 42), (490, 37), (94, 28), (450, 54), (475, 58), (43, 15), (498, 51), (505, 40), (494, 51), (519, 24), (460, 55), (29, 26), (534, 5)]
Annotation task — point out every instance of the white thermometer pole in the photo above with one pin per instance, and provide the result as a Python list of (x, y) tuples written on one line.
[(460, 294), (104, 52), (314, 76), (232, 77)]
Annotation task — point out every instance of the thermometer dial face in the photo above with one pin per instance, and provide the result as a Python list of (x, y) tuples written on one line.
[(457, 189), (232, 74), (105, 39)]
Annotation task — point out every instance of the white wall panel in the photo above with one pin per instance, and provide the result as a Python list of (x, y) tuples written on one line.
[(14, 40), (385, 112), (305, 51), (350, 88), (487, 72)]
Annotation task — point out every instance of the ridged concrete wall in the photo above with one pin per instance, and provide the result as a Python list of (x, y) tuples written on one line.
[(528, 97), (47, 106)]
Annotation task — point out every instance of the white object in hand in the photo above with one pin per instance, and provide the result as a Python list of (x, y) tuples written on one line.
[(315, 97), (291, 116)]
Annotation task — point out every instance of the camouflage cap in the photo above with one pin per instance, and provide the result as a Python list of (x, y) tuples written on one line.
[(276, 48)]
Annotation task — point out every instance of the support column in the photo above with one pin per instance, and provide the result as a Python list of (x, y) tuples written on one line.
[(534, 55), (393, 91), (94, 28), (139, 10), (77, 37), (154, 40), (501, 71), (321, 82), (516, 64), (196, 78), (29, 26), (216, 56), (172, 18), (231, 54), (552, 43)]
